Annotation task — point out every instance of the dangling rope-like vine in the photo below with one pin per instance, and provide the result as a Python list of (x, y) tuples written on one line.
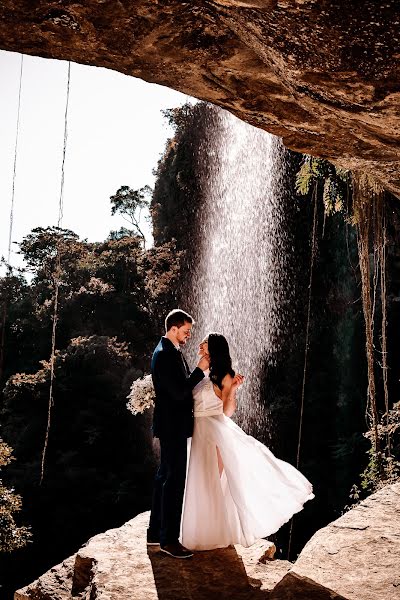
[(15, 161), (11, 223), (56, 278), (367, 216), (303, 387), (380, 244)]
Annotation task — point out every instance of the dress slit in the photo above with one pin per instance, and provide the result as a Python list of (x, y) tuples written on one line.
[(220, 462)]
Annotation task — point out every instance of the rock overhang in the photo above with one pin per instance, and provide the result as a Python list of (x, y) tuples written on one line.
[(324, 76)]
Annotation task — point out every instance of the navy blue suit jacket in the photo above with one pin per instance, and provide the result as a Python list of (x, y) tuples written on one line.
[(173, 384)]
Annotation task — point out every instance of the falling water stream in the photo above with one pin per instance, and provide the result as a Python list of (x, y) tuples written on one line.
[(240, 286)]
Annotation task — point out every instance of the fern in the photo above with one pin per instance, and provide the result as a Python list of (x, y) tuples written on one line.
[(304, 177), (328, 196)]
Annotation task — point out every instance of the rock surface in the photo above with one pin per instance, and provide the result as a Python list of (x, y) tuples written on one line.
[(324, 76), (116, 565), (357, 557)]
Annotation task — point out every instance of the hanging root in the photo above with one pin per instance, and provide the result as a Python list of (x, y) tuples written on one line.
[(381, 258), (303, 387), (368, 217)]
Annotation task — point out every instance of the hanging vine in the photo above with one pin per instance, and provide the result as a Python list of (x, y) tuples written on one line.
[(56, 276), (382, 261), (7, 299), (361, 200), (368, 208), (307, 342)]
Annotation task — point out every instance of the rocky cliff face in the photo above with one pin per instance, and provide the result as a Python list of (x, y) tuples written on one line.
[(354, 558), (322, 75)]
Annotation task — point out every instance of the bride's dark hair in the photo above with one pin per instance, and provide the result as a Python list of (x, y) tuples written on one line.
[(220, 359)]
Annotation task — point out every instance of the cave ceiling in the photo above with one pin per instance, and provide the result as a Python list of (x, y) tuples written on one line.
[(322, 75)]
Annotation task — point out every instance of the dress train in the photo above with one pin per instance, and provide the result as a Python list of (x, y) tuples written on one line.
[(255, 495)]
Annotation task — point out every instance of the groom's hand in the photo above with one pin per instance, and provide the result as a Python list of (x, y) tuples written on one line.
[(204, 363)]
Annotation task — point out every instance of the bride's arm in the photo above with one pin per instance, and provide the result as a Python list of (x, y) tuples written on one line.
[(229, 386)]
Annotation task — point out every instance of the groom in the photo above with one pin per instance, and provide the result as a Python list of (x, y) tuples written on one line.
[(172, 424)]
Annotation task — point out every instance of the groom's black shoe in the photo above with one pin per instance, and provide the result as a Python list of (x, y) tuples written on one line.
[(176, 550), (152, 540)]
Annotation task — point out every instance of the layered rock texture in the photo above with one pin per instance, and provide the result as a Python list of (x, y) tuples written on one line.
[(322, 75), (356, 557), (117, 565)]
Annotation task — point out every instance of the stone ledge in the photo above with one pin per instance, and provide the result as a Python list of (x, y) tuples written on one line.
[(356, 557), (117, 564)]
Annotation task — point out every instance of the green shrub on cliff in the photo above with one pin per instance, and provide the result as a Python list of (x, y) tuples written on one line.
[(385, 468), (11, 536)]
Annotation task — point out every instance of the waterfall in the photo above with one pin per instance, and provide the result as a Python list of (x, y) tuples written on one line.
[(240, 285)]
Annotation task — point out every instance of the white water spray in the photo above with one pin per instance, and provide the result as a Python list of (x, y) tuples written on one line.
[(239, 276)]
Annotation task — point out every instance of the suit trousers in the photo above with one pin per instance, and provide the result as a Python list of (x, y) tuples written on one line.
[(169, 488)]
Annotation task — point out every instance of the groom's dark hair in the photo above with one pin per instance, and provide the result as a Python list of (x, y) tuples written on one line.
[(178, 318)]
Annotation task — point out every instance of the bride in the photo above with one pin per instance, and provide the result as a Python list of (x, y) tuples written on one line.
[(236, 490)]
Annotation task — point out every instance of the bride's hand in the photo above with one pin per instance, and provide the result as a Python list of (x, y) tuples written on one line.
[(237, 381)]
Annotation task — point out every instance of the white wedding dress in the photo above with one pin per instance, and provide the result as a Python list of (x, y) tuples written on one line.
[(256, 494)]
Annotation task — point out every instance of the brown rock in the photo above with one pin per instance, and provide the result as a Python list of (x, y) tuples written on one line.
[(322, 75), (116, 565), (357, 557), (56, 584)]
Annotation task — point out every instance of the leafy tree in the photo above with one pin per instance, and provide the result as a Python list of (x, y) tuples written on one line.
[(120, 233), (19, 325), (40, 247), (99, 464), (162, 266), (129, 204), (180, 190), (179, 117), (11, 536)]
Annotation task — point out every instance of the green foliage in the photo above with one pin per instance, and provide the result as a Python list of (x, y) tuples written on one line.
[(21, 339), (384, 466), (310, 171), (332, 185), (120, 233), (178, 117), (39, 249), (334, 181), (106, 288), (163, 268), (98, 464), (178, 196), (12, 537)]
